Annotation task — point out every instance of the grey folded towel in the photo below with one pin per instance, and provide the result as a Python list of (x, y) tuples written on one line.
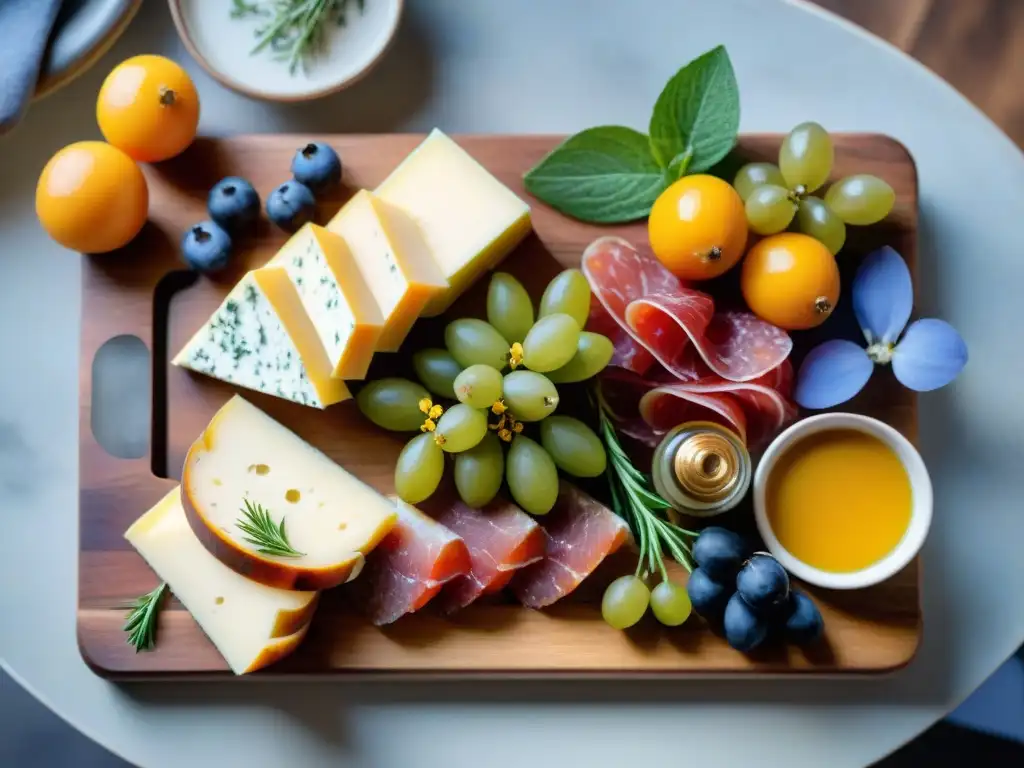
[(25, 26)]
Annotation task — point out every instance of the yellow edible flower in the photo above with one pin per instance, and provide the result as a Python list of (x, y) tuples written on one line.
[(425, 405), (515, 356), (435, 412), (498, 408)]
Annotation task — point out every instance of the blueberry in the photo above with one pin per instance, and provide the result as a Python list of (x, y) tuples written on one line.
[(744, 629), (707, 596), (206, 247), (763, 584), (317, 166), (804, 623), (720, 553), (234, 204), (291, 205)]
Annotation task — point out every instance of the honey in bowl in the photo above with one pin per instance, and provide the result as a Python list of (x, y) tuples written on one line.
[(839, 500)]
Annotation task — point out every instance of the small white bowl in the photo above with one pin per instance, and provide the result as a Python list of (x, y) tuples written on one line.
[(222, 46), (921, 496)]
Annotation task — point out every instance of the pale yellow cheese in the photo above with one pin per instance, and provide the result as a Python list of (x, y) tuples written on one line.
[(393, 257), (261, 338), (336, 297), (251, 625), (469, 219)]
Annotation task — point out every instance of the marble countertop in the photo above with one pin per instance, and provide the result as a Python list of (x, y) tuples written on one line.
[(465, 67)]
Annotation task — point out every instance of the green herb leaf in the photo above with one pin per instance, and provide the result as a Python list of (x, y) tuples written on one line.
[(697, 113), (140, 624), (268, 537), (603, 175)]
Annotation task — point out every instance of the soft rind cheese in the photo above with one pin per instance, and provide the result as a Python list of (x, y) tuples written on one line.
[(336, 297), (469, 219), (330, 516), (261, 338), (393, 257), (252, 625)]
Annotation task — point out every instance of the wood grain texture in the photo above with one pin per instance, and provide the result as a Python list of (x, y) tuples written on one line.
[(144, 291)]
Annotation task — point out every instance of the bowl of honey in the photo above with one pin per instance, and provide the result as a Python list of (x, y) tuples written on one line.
[(843, 501)]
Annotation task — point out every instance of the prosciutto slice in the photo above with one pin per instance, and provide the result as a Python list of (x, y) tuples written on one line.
[(500, 539), (408, 567), (665, 317), (581, 532)]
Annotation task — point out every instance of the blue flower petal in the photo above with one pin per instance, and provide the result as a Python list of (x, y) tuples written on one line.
[(883, 296), (930, 355), (832, 373)]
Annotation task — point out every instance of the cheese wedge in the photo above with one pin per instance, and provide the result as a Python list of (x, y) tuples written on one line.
[(252, 625), (395, 261), (246, 459), (469, 219), (261, 338), (336, 297)]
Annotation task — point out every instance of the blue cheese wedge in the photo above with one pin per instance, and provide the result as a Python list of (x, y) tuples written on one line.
[(260, 338)]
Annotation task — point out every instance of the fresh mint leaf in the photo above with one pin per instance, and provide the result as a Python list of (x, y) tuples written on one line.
[(603, 175), (697, 113)]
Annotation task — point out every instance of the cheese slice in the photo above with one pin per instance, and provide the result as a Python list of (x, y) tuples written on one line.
[(336, 297), (469, 219), (330, 517), (261, 338), (394, 259), (252, 625)]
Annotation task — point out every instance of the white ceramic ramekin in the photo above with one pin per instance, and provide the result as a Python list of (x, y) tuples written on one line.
[(921, 499)]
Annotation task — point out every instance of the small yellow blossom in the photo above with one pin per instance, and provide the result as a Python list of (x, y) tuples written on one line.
[(517, 427), (435, 411), (505, 435), (515, 355), (428, 426), (425, 405), (498, 408)]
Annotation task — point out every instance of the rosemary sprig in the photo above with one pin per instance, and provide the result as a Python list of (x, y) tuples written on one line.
[(263, 533), (140, 624), (640, 506)]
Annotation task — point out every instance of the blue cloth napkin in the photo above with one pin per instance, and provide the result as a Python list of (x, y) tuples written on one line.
[(24, 29)]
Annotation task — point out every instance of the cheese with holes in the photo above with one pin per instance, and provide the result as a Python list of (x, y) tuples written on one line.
[(394, 259), (261, 338), (245, 460), (252, 625), (336, 296), (469, 219)]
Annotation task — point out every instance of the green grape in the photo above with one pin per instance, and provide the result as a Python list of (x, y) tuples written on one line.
[(437, 369), (670, 604), (419, 469), (568, 294), (754, 175), (460, 428), (479, 471), (393, 404), (529, 395), (770, 209), (479, 386), (625, 602), (806, 157), (474, 342), (593, 353), (551, 343), (509, 308), (532, 476), (861, 199), (573, 445), (816, 219)]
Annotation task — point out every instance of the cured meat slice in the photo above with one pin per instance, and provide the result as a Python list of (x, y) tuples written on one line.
[(408, 567), (500, 538), (666, 317), (581, 532)]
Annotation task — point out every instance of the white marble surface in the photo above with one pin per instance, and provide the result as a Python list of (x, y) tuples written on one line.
[(464, 66)]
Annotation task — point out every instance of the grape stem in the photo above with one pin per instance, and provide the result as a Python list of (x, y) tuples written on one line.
[(634, 500)]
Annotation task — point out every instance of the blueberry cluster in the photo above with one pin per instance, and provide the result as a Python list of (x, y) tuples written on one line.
[(234, 207), (748, 593)]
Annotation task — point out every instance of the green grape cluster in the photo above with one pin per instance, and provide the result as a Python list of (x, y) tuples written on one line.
[(781, 196), (501, 373)]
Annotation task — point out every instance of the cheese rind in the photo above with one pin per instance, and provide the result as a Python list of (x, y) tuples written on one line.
[(330, 517), (260, 338), (393, 257), (469, 219), (252, 625), (336, 297)]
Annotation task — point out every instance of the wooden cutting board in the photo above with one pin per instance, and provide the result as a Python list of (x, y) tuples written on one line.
[(144, 291)]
